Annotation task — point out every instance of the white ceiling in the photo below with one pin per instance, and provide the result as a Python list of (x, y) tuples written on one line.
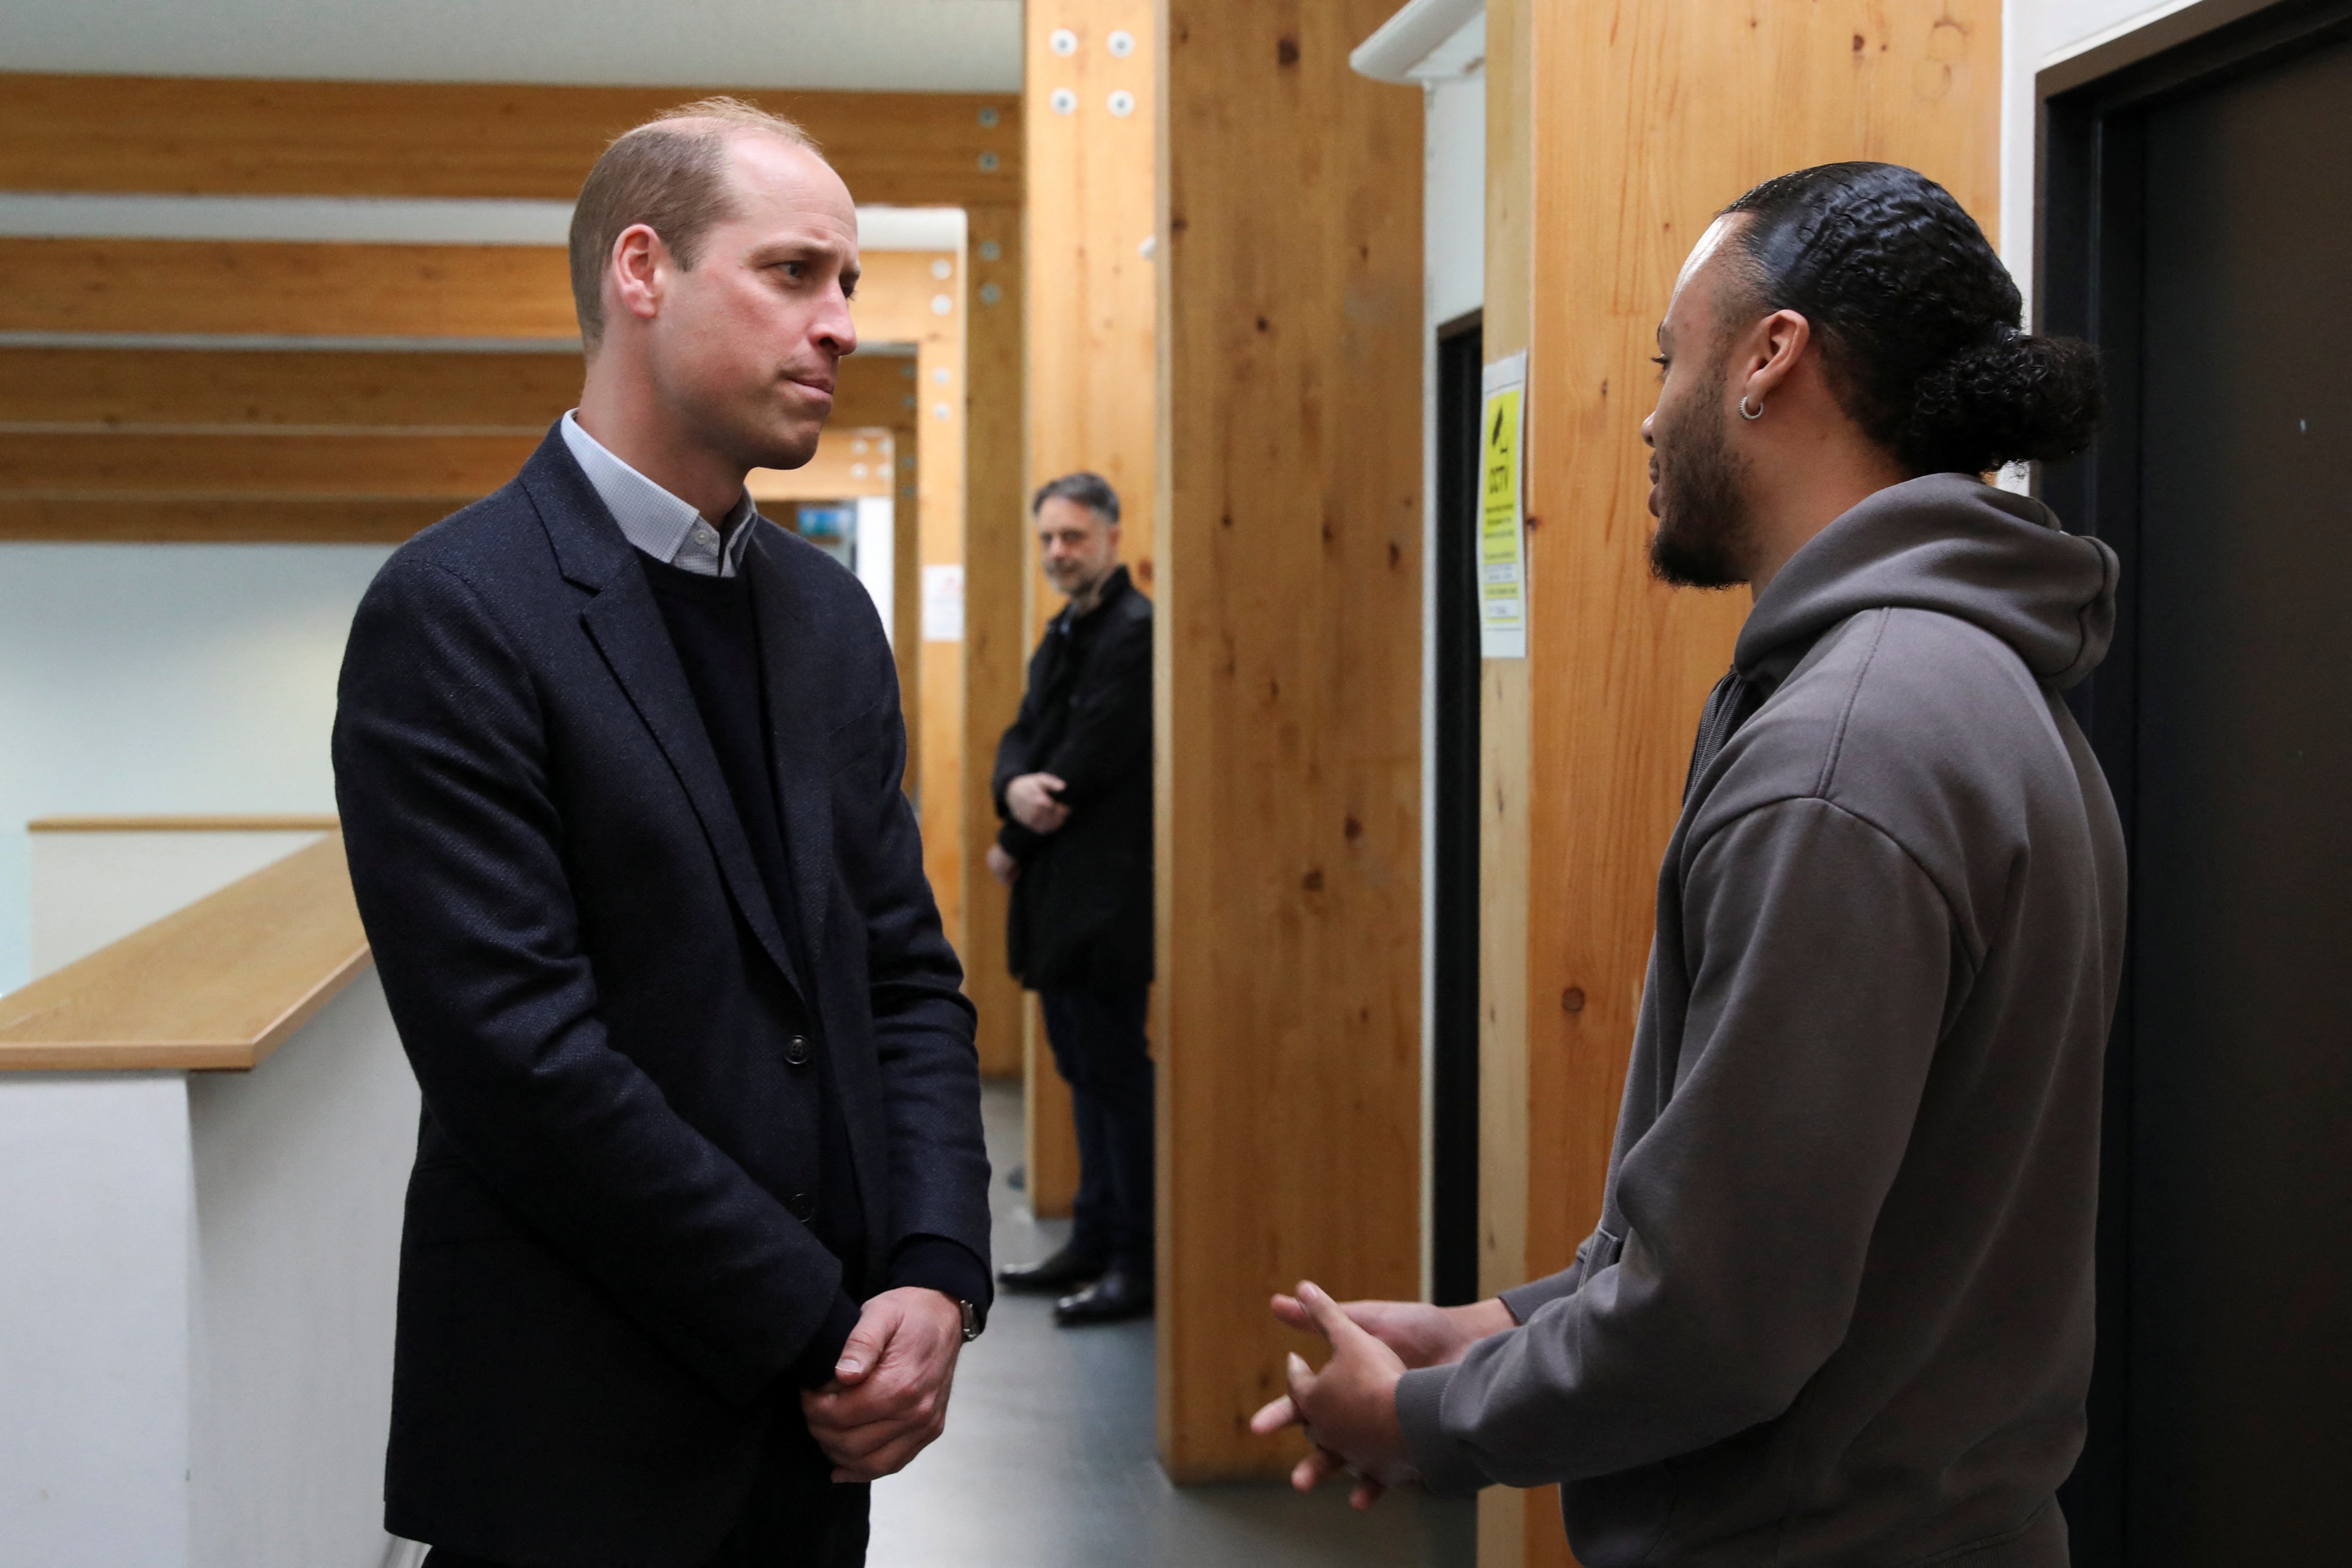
[(971, 46)]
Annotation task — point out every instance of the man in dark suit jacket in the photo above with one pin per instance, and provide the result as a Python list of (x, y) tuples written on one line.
[(698, 1220), (1074, 787)]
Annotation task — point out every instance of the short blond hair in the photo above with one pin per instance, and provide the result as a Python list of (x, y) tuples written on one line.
[(670, 174)]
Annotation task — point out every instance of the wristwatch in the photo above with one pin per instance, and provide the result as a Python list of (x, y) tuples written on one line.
[(970, 1321)]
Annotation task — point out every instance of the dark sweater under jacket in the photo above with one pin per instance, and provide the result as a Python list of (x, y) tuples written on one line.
[(613, 1265), (716, 633), (1081, 912), (1838, 1308)]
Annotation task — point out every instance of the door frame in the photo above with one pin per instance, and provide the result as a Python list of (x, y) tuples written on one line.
[(2092, 110), (1455, 825)]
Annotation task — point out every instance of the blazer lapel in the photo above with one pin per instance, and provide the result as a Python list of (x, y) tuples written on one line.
[(796, 738), (625, 624)]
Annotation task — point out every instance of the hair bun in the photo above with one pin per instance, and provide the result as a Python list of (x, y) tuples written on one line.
[(2016, 398)]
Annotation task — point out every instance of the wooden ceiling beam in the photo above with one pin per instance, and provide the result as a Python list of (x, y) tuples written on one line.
[(279, 288), (202, 136), (263, 484), (47, 389), (287, 288), (214, 388)]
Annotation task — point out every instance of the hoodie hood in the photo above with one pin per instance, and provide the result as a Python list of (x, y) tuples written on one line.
[(1949, 543)]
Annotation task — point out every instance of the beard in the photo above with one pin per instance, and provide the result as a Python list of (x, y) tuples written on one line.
[(1703, 531)]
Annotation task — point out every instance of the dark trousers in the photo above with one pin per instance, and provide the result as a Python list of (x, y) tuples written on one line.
[(796, 1517), (1098, 1044)]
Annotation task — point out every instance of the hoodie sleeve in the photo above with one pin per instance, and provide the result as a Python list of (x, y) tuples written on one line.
[(1823, 964)]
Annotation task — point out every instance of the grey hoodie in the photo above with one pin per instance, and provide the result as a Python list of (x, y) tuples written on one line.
[(1838, 1309)]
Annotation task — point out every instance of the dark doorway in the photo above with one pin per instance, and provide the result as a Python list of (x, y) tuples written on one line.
[(2198, 226), (1454, 980)]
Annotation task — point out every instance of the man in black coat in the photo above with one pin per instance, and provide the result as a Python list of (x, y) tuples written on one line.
[(1073, 785), (698, 1220)]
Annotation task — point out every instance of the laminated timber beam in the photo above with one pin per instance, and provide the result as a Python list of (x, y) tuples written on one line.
[(201, 136)]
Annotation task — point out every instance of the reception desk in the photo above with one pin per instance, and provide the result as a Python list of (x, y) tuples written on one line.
[(206, 1127)]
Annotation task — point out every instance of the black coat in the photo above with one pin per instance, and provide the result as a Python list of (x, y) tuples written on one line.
[(1081, 914), (602, 1272)]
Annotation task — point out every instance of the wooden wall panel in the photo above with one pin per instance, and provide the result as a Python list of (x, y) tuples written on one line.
[(850, 464), (1641, 124), (1290, 577), (1093, 368), (214, 137), (875, 387), (1051, 1163), (284, 289), (1092, 289), (996, 646), (906, 605)]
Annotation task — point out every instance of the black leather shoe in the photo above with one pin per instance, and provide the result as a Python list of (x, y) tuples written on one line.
[(1065, 1270), (1116, 1297)]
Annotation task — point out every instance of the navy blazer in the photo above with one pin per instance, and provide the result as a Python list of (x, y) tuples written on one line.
[(602, 1272)]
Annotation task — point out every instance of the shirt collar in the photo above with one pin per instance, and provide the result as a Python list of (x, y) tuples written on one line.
[(652, 519)]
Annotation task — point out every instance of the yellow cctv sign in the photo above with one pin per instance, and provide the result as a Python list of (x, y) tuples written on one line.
[(1502, 532)]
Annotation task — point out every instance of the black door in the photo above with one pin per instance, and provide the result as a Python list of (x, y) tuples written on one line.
[(2224, 257), (1454, 1087)]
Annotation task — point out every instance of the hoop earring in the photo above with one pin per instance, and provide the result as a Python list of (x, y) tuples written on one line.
[(1744, 413)]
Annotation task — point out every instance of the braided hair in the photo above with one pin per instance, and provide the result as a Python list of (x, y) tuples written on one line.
[(1917, 319)]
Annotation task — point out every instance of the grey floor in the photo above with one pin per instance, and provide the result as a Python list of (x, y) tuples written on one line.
[(1048, 1463)]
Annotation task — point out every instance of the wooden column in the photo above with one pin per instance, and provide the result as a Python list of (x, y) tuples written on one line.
[(1504, 873), (1615, 135), (996, 626), (920, 299), (938, 658), (1290, 707), (1090, 117)]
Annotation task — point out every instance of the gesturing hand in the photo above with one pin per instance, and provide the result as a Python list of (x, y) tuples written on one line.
[(1032, 801), (888, 1398), (1348, 1409), (1420, 1334)]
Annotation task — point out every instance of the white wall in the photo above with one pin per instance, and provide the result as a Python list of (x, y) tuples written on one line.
[(2036, 34), (160, 679), (94, 1329), (301, 1167), (196, 1309), (1453, 196), (90, 889)]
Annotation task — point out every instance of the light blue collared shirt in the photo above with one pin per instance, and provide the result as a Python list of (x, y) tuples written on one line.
[(654, 520)]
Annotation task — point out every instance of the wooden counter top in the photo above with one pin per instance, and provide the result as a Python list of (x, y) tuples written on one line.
[(220, 984)]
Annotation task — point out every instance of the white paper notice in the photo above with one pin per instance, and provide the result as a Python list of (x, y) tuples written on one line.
[(1502, 524), (943, 605)]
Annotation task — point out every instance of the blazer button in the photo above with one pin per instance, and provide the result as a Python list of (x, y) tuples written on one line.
[(801, 1206), (797, 1050)]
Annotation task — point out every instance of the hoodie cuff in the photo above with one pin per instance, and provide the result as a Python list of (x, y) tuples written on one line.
[(1523, 1302), (1445, 1464)]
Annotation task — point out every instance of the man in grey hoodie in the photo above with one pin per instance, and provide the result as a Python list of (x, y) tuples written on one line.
[(1837, 1309)]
